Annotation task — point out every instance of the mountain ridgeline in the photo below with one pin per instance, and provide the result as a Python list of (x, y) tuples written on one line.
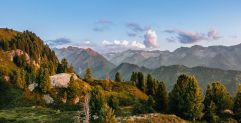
[(81, 59), (222, 57), (169, 74)]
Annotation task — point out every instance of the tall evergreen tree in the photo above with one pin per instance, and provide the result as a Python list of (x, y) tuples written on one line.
[(117, 77), (88, 75), (209, 106), (20, 78), (72, 88), (237, 105), (217, 94), (97, 104), (186, 98), (133, 78), (149, 85), (141, 82), (161, 98), (45, 84)]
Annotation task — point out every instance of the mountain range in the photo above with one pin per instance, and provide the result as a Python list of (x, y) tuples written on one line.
[(207, 64), (169, 74), (222, 57), (81, 59)]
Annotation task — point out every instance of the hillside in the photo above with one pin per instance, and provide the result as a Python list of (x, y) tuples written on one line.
[(31, 76), (84, 58), (231, 79)]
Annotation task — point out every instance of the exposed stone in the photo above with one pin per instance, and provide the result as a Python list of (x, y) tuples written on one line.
[(48, 99), (62, 79)]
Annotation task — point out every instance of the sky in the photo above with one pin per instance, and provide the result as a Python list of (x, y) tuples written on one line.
[(117, 25)]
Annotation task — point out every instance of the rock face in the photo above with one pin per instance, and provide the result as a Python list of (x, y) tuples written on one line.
[(61, 80)]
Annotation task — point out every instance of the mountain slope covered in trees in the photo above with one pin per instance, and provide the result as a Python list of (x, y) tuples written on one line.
[(231, 79)]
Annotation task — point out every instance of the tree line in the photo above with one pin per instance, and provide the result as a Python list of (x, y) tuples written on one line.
[(187, 100)]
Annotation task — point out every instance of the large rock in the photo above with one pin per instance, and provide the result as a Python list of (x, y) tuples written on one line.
[(62, 79)]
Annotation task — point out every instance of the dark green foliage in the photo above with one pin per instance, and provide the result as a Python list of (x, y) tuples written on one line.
[(237, 106), (63, 66), (4, 44), (143, 107), (44, 80), (117, 77), (161, 98), (20, 61), (149, 85), (133, 78), (9, 94), (140, 83), (88, 75), (113, 102), (20, 78), (186, 98), (97, 104), (217, 99)]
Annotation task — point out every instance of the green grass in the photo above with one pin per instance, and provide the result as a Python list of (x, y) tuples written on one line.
[(36, 115), (152, 118)]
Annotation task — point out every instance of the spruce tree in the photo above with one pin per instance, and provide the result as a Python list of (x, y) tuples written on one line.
[(133, 78), (209, 106), (117, 77), (161, 98), (141, 82), (149, 85), (218, 94), (45, 84), (237, 105), (186, 98), (88, 75), (97, 104), (20, 78)]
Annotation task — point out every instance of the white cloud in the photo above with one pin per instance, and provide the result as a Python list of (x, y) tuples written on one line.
[(119, 45), (186, 37), (87, 42), (150, 39)]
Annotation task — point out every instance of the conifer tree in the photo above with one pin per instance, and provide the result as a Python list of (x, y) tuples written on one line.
[(20, 78), (133, 78), (97, 104), (88, 75), (217, 94), (161, 98), (186, 98), (141, 82), (117, 77), (45, 84), (149, 85), (237, 105), (209, 106)]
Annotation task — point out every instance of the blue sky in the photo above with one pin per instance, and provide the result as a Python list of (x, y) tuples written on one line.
[(123, 24)]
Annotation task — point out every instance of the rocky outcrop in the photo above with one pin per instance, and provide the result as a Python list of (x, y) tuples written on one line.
[(62, 79)]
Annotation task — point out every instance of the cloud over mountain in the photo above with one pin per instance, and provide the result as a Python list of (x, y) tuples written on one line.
[(58, 42), (192, 37), (150, 39)]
